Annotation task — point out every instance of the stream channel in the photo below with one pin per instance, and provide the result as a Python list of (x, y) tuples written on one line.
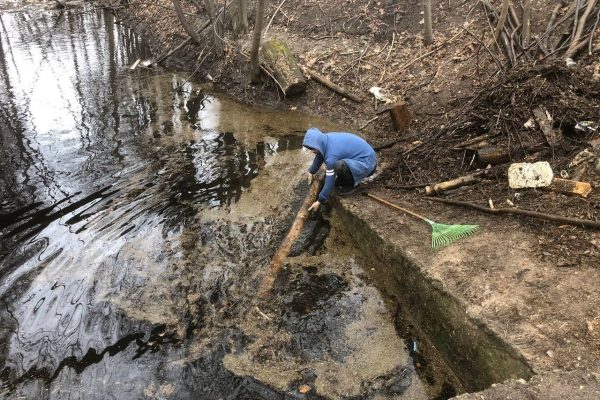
[(138, 213)]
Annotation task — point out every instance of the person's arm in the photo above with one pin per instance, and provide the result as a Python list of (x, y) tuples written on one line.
[(316, 164), (329, 183)]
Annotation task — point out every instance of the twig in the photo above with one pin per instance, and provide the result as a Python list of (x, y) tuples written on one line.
[(526, 22), (392, 46), (262, 314), (510, 53), (186, 41), (60, 4), (368, 122), (575, 21), (592, 33), (513, 14), (407, 187), (193, 73), (579, 47), (572, 50), (551, 29), (552, 19), (501, 19), (273, 16), (135, 64), (432, 51), (492, 15), (184, 23), (267, 71), (515, 211), (359, 62), (392, 143), (169, 53), (355, 61), (498, 63)]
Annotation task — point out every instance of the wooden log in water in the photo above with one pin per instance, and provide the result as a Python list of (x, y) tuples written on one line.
[(293, 234), (278, 58)]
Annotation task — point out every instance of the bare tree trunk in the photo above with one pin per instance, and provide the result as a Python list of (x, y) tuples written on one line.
[(502, 20), (428, 24), (239, 16), (243, 15), (526, 23), (184, 23), (217, 25), (258, 26)]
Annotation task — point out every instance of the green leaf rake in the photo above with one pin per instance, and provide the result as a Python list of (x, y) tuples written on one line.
[(442, 234)]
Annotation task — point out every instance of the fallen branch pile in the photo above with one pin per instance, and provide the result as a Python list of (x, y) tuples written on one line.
[(570, 29), (528, 114)]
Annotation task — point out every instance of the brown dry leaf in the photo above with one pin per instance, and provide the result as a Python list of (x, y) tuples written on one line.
[(304, 389)]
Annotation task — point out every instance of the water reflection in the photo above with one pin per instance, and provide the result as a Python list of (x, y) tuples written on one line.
[(102, 169), (58, 73)]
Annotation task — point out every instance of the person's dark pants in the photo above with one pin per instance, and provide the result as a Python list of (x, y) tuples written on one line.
[(343, 175)]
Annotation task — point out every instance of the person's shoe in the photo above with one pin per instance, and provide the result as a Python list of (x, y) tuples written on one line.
[(346, 191)]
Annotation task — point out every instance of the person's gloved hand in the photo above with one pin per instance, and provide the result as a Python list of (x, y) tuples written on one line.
[(309, 178), (315, 206)]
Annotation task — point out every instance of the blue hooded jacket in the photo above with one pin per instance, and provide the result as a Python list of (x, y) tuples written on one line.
[(335, 146)]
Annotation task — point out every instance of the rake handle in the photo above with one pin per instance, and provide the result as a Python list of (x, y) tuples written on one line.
[(398, 207)]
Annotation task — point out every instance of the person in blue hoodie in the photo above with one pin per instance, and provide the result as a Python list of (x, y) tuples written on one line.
[(348, 158)]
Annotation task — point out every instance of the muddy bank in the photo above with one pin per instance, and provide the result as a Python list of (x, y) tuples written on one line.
[(541, 314)]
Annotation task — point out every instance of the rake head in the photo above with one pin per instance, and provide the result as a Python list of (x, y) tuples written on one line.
[(443, 235)]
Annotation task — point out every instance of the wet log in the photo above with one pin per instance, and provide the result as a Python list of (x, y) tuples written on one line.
[(279, 59), (568, 186), (286, 246), (454, 183), (493, 155), (400, 116)]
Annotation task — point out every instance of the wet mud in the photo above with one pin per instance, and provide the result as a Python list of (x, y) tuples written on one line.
[(138, 214)]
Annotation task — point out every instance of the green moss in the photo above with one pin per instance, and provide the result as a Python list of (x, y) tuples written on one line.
[(475, 354)]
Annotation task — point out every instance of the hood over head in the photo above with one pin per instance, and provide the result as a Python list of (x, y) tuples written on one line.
[(315, 140)]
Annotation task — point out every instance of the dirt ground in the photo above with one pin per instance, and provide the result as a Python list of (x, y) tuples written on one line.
[(534, 282)]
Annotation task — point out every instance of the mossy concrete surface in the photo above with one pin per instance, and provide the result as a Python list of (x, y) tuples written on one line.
[(504, 320), (478, 357)]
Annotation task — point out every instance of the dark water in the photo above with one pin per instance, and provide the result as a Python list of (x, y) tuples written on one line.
[(104, 171), (138, 214)]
